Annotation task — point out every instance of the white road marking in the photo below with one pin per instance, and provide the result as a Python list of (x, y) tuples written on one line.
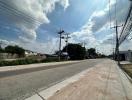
[(53, 89)]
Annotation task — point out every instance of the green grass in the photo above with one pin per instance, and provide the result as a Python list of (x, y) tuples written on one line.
[(28, 61), (128, 69)]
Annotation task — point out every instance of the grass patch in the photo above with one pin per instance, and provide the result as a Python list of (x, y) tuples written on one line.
[(29, 61), (128, 69)]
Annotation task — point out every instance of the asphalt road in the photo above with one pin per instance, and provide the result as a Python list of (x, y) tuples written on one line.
[(20, 86)]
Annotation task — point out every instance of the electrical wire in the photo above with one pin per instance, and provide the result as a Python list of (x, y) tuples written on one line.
[(125, 31), (18, 12), (110, 12), (10, 12), (115, 12), (53, 48), (19, 15)]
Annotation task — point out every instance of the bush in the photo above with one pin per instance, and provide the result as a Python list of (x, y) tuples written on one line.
[(18, 62), (28, 61)]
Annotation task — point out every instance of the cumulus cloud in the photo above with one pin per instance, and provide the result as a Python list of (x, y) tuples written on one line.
[(28, 15), (48, 47), (5, 43), (101, 18), (98, 22), (84, 35), (109, 39)]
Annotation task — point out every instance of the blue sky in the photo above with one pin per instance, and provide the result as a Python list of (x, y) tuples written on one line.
[(33, 24)]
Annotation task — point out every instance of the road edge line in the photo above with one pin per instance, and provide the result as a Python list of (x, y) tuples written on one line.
[(53, 89)]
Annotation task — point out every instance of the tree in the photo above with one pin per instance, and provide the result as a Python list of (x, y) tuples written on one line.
[(1, 50), (75, 51), (15, 50), (92, 52)]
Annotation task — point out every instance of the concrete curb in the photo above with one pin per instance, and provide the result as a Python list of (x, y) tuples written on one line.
[(10, 71), (19, 67), (128, 77), (45, 94)]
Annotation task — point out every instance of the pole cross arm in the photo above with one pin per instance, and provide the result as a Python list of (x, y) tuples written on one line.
[(61, 31)]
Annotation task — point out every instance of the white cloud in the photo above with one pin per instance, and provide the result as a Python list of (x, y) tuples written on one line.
[(48, 47), (28, 15), (34, 13), (98, 22), (100, 18), (109, 39), (84, 35), (64, 3), (4, 43)]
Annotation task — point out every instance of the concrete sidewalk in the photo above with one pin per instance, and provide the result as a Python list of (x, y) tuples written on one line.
[(105, 81)]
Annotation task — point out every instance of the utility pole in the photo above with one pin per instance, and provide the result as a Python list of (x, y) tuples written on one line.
[(85, 49), (84, 44), (60, 36), (67, 38), (117, 43), (0, 44), (113, 53)]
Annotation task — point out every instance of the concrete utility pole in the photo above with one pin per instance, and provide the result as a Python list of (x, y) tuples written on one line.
[(84, 43), (1, 44), (67, 38), (117, 43), (60, 33), (113, 53)]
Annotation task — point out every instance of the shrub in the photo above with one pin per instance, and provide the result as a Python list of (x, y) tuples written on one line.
[(28, 61)]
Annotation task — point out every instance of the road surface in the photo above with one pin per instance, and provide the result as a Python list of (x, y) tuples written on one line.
[(20, 86)]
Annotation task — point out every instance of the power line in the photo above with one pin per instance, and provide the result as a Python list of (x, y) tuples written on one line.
[(117, 42), (26, 18), (54, 46), (117, 35), (125, 31), (10, 13), (18, 13), (4, 8), (110, 12), (115, 11)]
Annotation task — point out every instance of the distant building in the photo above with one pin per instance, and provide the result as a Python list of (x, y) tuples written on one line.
[(126, 55), (30, 53), (34, 55)]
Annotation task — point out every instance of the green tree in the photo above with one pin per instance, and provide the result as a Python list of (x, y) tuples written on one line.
[(1, 50), (92, 53), (15, 50), (75, 51)]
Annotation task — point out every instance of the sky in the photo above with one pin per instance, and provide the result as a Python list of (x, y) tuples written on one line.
[(33, 24)]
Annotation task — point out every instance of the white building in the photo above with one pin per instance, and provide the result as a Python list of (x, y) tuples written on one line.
[(30, 53), (126, 55)]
